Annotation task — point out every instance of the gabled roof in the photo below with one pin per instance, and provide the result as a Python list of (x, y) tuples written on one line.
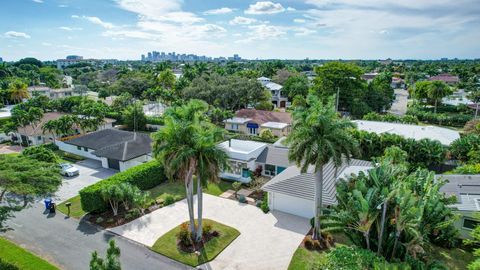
[(292, 182), (466, 188), (274, 156), (260, 117), (115, 144)]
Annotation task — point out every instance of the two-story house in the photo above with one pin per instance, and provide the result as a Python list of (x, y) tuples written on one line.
[(252, 122), (278, 100)]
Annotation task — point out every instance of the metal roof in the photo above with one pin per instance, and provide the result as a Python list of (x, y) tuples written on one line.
[(275, 125), (465, 187), (274, 156), (302, 185)]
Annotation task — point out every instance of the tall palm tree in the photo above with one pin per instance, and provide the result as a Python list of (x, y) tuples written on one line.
[(51, 126), (319, 136), (18, 91), (177, 147), (211, 160)]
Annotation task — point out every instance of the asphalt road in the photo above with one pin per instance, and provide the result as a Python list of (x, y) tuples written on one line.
[(399, 106), (68, 243)]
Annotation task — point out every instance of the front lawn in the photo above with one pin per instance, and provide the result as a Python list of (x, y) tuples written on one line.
[(76, 210), (167, 245), (454, 259), (21, 258)]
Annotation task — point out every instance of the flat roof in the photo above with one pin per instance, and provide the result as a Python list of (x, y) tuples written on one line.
[(275, 125), (444, 135), (237, 120), (241, 146)]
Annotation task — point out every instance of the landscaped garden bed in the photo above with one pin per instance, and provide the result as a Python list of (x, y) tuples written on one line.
[(216, 237)]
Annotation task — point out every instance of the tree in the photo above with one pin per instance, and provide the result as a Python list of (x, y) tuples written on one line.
[(319, 136), (111, 262), (122, 102), (267, 134), (474, 96), (166, 79), (380, 94), (113, 195), (438, 90), (187, 145), (134, 117), (18, 91), (296, 86), (28, 178), (40, 153)]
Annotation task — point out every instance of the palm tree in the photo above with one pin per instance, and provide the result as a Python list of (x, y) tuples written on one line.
[(175, 146), (18, 91), (437, 90), (318, 136), (211, 160), (51, 126)]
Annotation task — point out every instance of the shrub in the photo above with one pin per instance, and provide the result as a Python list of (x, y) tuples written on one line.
[(472, 127), (236, 187), (184, 235), (446, 119), (169, 200), (155, 120), (407, 119), (308, 243), (51, 146), (7, 266), (110, 220), (467, 169), (99, 220), (144, 176), (135, 212), (242, 199), (206, 228), (264, 205), (461, 148), (40, 153), (352, 258), (267, 134)]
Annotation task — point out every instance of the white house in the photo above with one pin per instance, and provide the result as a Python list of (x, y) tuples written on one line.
[(466, 189), (116, 149), (293, 192), (444, 135), (278, 100)]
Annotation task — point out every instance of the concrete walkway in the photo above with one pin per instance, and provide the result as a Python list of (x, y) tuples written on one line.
[(267, 241), (69, 244), (399, 105)]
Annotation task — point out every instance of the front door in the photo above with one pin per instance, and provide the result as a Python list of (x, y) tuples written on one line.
[(113, 164)]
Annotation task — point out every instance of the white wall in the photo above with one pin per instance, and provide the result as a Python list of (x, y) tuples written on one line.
[(124, 165), (73, 149), (291, 205), (464, 233)]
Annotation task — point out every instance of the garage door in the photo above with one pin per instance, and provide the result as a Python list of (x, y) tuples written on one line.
[(292, 205), (113, 164)]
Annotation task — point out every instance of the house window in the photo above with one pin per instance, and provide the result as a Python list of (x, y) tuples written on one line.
[(252, 131), (470, 224), (85, 149), (39, 138), (234, 126), (270, 170), (79, 148)]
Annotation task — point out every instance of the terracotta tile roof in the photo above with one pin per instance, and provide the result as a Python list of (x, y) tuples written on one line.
[(261, 117), (445, 77)]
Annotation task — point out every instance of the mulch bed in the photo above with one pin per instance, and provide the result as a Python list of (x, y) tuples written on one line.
[(327, 242)]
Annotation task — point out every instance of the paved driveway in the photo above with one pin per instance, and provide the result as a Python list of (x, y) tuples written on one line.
[(399, 105), (267, 241), (91, 171)]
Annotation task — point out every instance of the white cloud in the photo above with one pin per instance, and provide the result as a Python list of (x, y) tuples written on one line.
[(265, 7), (242, 21), (299, 20), (38, 1), (263, 32), (66, 28), (46, 44), (14, 34), (223, 10), (291, 9), (62, 6), (98, 21), (165, 10), (302, 31), (75, 17)]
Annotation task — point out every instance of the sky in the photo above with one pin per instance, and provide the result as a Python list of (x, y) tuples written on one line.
[(283, 29)]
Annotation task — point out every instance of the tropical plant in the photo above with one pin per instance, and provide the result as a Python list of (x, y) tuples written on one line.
[(134, 117), (111, 262), (18, 91), (236, 187), (319, 136), (464, 148), (187, 146), (438, 90), (40, 153)]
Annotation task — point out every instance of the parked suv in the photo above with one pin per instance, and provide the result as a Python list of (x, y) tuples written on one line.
[(69, 170)]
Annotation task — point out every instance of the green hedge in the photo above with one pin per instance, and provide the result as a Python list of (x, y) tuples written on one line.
[(144, 176), (155, 120), (443, 119)]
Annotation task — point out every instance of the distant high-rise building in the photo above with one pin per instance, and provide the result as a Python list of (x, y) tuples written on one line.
[(1, 60), (155, 56)]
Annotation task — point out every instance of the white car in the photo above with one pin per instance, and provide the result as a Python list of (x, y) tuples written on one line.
[(68, 170)]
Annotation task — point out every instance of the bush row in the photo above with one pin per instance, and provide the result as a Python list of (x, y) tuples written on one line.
[(407, 119), (7, 266), (466, 169), (445, 119), (153, 120), (144, 176), (422, 153)]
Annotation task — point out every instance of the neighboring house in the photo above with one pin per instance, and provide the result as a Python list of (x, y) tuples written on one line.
[(252, 122), (397, 83), (249, 156), (50, 93), (278, 100), (36, 136), (466, 189), (116, 149), (444, 135), (293, 192), (369, 76), (458, 97), (446, 78)]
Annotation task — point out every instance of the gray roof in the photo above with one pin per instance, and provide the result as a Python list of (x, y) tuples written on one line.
[(302, 185), (275, 156), (465, 187), (115, 144)]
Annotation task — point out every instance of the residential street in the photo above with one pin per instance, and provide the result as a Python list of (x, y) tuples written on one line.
[(69, 244), (399, 106)]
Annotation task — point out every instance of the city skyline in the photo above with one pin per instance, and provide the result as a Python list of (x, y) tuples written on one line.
[(286, 29)]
